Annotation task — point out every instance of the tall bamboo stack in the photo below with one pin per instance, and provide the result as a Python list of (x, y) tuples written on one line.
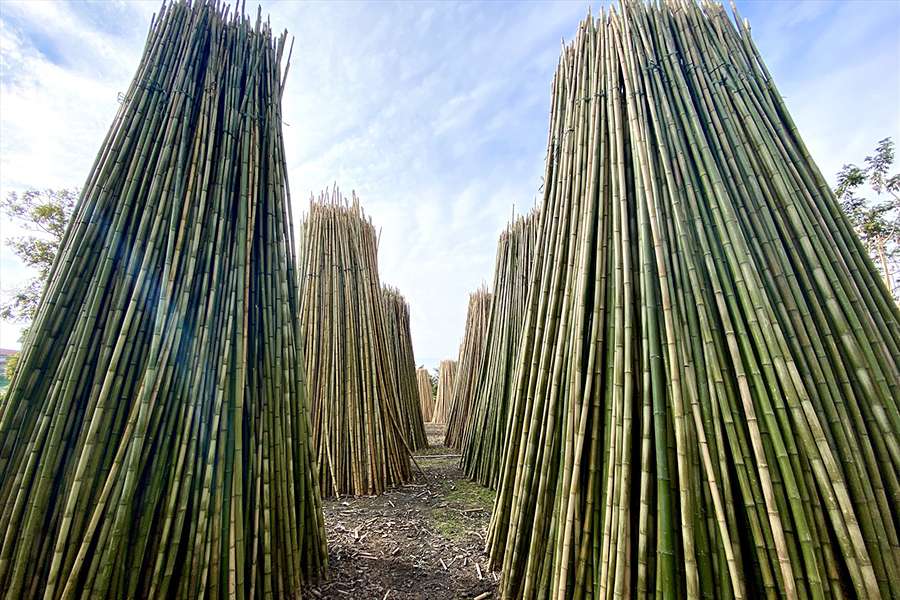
[(446, 380), (484, 435), (426, 393), (470, 364), (706, 397), (354, 397), (404, 365), (155, 440)]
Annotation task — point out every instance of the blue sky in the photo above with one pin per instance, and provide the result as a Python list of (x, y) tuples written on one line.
[(435, 113)]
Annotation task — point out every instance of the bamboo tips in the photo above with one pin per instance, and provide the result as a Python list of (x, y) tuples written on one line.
[(155, 440), (705, 403), (404, 366), (484, 437), (446, 381), (356, 405), (426, 393), (471, 359)]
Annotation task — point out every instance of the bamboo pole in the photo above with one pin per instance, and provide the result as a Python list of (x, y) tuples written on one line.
[(705, 397), (484, 436), (155, 441), (404, 365), (355, 396), (446, 380), (426, 393), (471, 360)]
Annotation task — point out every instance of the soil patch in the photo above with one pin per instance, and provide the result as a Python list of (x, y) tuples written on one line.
[(421, 540)]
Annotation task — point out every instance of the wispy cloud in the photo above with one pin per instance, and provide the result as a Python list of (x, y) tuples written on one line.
[(436, 113)]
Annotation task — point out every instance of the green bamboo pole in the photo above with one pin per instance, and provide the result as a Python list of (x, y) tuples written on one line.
[(156, 441), (484, 435), (704, 402)]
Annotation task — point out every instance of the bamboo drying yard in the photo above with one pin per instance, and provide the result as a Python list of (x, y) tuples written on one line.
[(446, 381), (356, 406), (471, 359), (155, 438), (683, 382)]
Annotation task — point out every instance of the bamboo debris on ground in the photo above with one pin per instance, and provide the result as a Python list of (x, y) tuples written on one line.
[(446, 380), (155, 440), (471, 359), (426, 393), (706, 397), (404, 365), (355, 404), (484, 437)]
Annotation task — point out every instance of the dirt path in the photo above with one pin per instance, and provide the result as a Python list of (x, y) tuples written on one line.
[(422, 540)]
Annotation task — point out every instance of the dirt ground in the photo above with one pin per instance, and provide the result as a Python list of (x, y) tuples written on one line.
[(424, 540)]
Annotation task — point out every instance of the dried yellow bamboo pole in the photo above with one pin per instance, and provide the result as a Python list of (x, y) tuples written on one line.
[(355, 397)]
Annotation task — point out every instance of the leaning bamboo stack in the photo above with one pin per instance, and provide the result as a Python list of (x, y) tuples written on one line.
[(426, 393), (471, 359), (355, 404), (706, 399), (446, 380), (484, 436), (404, 365), (155, 439)]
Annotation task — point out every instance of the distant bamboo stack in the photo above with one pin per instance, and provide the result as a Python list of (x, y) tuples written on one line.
[(426, 393), (354, 396), (155, 440), (706, 402), (470, 366), (446, 380), (404, 368), (484, 437)]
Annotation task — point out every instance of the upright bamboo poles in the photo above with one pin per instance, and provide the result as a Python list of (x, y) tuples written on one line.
[(484, 436), (706, 395), (446, 381), (471, 359), (404, 366), (354, 396), (155, 440), (426, 394)]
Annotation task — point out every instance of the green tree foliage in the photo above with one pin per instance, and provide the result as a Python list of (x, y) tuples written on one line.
[(10, 369), (44, 215), (875, 214)]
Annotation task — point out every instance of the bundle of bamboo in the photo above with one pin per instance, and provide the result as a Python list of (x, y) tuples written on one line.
[(354, 398), (706, 397), (155, 439), (446, 379), (404, 366), (426, 393), (484, 437), (471, 360)]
